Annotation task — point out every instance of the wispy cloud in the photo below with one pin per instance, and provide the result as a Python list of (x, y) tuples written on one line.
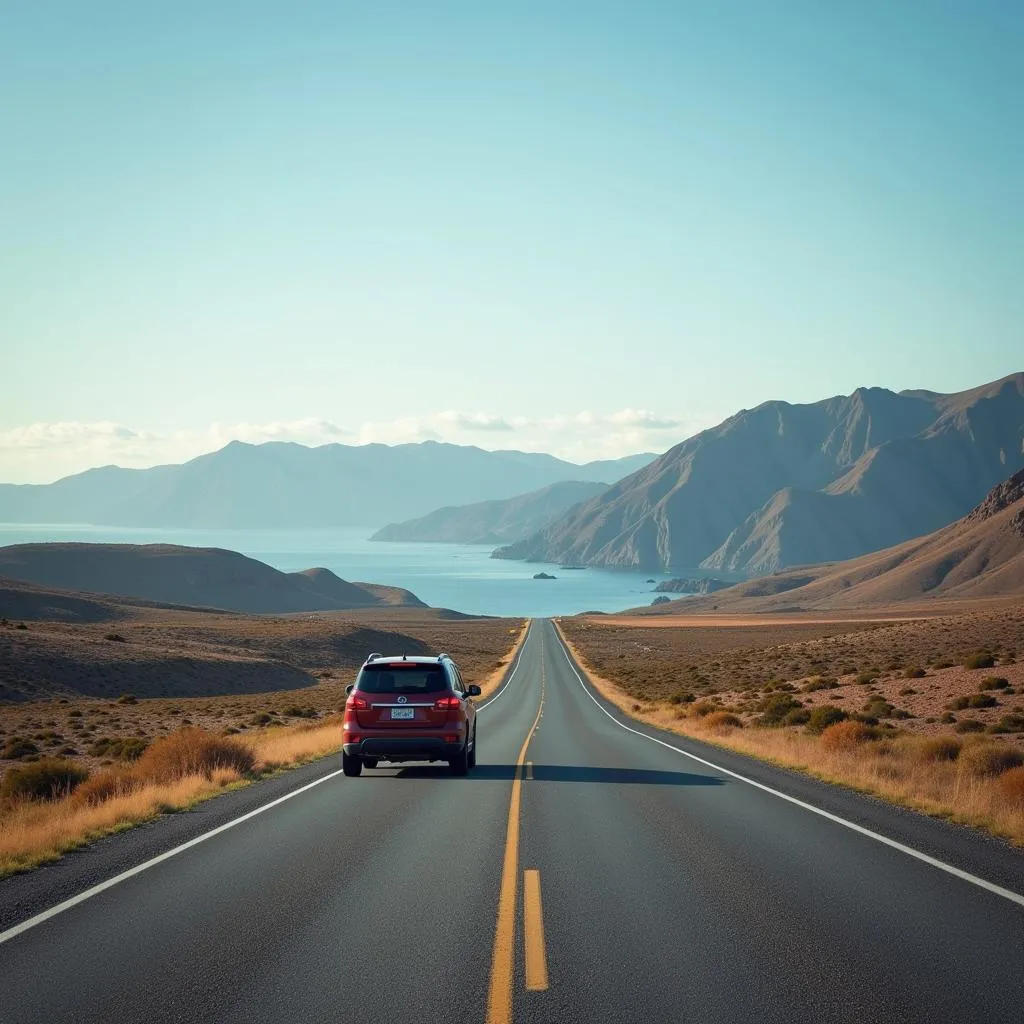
[(41, 452)]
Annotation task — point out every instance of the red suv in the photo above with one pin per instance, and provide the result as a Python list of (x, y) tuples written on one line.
[(409, 709)]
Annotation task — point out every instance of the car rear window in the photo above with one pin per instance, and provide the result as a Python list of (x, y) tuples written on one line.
[(391, 678)]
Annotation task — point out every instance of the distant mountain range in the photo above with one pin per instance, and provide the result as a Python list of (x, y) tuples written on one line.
[(202, 577), (493, 522), (980, 556), (783, 485), (289, 485)]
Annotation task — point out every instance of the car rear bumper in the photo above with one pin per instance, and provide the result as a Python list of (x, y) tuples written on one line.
[(404, 748)]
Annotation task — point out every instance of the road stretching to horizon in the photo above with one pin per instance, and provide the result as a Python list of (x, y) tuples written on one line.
[(584, 872)]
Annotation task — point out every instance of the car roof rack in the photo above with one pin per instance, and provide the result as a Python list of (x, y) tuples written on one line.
[(375, 656)]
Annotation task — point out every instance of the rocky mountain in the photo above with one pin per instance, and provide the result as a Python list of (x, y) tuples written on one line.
[(493, 522), (980, 556), (290, 485), (784, 485), (205, 577)]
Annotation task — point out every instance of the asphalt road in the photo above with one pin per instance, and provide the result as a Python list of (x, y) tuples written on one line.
[(584, 873)]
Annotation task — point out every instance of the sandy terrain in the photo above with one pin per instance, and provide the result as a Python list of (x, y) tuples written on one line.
[(914, 665)]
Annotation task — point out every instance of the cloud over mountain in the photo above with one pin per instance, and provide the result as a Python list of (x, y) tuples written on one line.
[(42, 452)]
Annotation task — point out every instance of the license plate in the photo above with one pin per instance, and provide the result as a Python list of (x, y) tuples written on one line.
[(405, 713)]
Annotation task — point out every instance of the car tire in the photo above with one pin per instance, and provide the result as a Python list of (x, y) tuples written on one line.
[(460, 763), (351, 765), (370, 762), (471, 756)]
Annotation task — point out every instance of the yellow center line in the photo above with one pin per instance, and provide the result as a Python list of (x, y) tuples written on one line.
[(499, 996), (533, 933)]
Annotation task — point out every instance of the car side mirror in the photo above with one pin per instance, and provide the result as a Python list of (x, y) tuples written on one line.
[(473, 691), (349, 688)]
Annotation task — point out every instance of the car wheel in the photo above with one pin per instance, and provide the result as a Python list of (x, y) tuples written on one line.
[(351, 765), (370, 762), (460, 763), (471, 757)]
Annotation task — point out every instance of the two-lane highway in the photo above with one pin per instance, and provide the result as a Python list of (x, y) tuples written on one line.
[(583, 872)]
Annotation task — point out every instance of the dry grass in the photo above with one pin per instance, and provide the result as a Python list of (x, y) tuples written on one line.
[(33, 833), (195, 747), (278, 748), (175, 773), (980, 787)]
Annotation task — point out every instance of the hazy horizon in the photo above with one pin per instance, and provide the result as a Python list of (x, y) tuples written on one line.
[(586, 229)]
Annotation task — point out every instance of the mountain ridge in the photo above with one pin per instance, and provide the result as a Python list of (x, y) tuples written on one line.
[(978, 557), (785, 484), (283, 484), (492, 522)]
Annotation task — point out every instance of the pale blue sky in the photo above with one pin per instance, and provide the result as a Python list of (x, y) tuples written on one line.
[(603, 225)]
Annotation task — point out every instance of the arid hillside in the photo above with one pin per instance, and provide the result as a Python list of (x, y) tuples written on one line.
[(203, 577), (784, 485), (980, 557), (493, 522), (61, 645)]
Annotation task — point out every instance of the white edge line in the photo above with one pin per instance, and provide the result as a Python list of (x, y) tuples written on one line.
[(95, 890), (139, 868), (1007, 894)]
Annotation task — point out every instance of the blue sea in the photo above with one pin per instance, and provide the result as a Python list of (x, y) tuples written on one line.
[(463, 577)]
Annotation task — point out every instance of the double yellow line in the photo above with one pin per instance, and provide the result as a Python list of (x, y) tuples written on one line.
[(499, 997)]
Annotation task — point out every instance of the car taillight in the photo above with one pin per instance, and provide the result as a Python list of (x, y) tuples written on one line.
[(352, 705), (446, 703)]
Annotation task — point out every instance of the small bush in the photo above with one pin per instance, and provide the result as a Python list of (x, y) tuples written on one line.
[(990, 759), (115, 638), (907, 691), (982, 700), (193, 751), (942, 663), (1011, 787), (723, 720), (798, 716), (775, 708), (959, 703), (128, 748), (865, 677), (702, 708), (846, 735), (294, 711), (75, 713), (127, 698), (821, 718), (1012, 723), (969, 725), (47, 779), (993, 683), (914, 672), (878, 707), (819, 683), (938, 748), (18, 748), (107, 785), (980, 659)]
